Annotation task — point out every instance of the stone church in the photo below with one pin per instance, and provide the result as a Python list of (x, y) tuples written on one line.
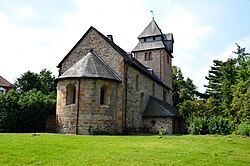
[(103, 89)]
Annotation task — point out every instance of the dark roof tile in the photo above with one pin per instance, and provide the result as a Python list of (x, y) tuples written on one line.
[(91, 66), (156, 108), (151, 30)]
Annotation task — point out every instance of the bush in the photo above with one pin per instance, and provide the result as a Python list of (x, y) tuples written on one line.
[(197, 125), (219, 125), (244, 128), (25, 111), (205, 125)]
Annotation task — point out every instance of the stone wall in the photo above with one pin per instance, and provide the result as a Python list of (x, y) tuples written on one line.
[(93, 40), (161, 64), (138, 96), (93, 118), (154, 124)]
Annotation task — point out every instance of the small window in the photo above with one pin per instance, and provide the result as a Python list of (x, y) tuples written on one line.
[(168, 60), (164, 95), (145, 39), (103, 95), (146, 56), (142, 102), (153, 38), (153, 89), (150, 56), (137, 82), (71, 94)]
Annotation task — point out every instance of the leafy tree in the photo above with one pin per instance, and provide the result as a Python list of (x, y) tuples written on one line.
[(182, 89), (44, 82), (28, 81)]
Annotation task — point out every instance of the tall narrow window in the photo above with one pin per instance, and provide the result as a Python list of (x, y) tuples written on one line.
[(71, 94), (153, 89), (164, 95), (137, 82), (102, 96), (142, 102), (168, 60), (150, 56), (146, 56)]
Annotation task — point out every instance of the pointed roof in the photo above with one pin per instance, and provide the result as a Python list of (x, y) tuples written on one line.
[(4, 82), (91, 66), (151, 30), (156, 107)]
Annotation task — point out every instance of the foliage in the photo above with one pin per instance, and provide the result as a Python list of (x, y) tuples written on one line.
[(219, 125), (25, 111), (66, 149), (43, 82), (182, 89), (197, 125), (244, 128), (208, 125)]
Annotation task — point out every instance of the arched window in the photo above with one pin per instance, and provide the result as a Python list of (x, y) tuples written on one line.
[(103, 95), (146, 56), (150, 56), (164, 95), (153, 89), (142, 102), (137, 82), (71, 94)]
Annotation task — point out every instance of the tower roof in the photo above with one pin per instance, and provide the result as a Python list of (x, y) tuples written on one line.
[(151, 30), (91, 66)]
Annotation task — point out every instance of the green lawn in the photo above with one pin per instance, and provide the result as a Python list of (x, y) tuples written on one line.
[(58, 149)]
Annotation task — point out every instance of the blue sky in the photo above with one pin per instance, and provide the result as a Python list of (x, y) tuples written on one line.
[(37, 34)]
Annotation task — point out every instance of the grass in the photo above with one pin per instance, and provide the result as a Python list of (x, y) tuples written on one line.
[(56, 149)]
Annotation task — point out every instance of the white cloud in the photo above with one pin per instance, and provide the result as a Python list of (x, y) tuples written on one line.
[(24, 13), (189, 34), (228, 52)]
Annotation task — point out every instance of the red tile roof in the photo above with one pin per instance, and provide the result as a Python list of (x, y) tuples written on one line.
[(4, 82)]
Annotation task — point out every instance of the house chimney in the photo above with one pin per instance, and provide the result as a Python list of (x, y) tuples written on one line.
[(110, 37)]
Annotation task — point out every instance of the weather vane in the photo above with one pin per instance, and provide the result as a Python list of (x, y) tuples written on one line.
[(152, 13)]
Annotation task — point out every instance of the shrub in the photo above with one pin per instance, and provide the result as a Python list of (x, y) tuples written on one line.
[(205, 125), (197, 125), (219, 125), (244, 128), (25, 111)]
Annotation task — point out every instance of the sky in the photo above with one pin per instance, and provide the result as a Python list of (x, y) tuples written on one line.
[(38, 34)]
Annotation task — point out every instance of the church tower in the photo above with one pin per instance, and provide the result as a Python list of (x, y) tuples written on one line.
[(154, 51)]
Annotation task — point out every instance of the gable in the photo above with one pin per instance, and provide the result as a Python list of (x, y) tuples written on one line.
[(112, 54)]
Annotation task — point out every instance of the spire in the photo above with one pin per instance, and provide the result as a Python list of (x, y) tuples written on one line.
[(152, 14), (151, 30)]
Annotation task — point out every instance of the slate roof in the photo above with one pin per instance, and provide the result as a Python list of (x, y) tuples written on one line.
[(91, 66), (156, 108), (4, 82), (151, 30), (149, 46)]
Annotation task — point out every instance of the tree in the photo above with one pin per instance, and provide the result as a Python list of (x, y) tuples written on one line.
[(28, 81), (44, 82), (215, 80), (182, 89)]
